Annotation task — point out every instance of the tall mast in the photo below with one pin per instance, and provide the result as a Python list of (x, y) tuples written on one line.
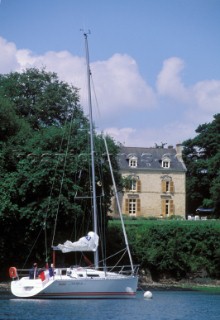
[(118, 205), (96, 258)]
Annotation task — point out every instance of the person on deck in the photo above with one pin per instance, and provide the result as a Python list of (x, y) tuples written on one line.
[(51, 271), (33, 273)]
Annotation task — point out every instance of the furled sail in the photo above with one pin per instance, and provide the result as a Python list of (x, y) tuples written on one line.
[(87, 243)]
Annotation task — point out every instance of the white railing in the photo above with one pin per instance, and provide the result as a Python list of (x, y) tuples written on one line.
[(123, 270)]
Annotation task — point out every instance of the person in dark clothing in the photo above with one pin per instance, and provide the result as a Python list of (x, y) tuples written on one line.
[(51, 272), (33, 273)]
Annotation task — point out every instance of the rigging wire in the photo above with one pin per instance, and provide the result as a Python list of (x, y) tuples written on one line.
[(51, 191), (118, 261), (44, 227), (62, 179), (32, 248), (115, 254), (95, 96)]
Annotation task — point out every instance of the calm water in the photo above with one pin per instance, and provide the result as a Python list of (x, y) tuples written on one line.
[(165, 305)]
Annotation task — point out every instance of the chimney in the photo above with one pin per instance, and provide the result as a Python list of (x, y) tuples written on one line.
[(179, 149)]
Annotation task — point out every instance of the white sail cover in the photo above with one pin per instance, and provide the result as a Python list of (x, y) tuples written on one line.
[(87, 243)]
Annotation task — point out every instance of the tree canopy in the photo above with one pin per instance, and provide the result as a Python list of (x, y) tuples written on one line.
[(44, 161), (39, 96), (202, 159)]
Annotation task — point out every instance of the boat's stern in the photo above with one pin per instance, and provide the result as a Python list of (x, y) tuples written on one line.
[(25, 287)]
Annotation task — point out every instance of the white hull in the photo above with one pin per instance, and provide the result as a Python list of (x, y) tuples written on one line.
[(77, 284)]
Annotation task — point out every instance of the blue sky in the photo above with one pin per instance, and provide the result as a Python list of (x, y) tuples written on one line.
[(155, 63)]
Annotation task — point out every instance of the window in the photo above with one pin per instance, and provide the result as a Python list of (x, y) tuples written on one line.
[(133, 162), (133, 185), (167, 207), (167, 185), (165, 164), (165, 161), (133, 206)]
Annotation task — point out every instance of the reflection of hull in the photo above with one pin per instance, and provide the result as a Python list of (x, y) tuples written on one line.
[(77, 284)]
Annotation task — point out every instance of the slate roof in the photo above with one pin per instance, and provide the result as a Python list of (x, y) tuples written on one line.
[(150, 159)]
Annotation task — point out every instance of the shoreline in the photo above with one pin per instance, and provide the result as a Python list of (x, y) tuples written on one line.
[(211, 286), (183, 285), (180, 287)]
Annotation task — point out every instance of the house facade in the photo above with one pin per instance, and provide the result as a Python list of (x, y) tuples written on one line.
[(154, 180)]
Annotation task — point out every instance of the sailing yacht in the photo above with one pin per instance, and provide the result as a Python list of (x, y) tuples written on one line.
[(76, 282)]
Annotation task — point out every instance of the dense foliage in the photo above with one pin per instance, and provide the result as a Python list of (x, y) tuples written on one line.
[(202, 159), (45, 164), (176, 249), (45, 178)]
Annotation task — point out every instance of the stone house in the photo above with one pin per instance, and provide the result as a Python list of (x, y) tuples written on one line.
[(154, 180)]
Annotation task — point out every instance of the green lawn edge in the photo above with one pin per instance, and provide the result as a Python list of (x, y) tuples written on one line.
[(203, 288)]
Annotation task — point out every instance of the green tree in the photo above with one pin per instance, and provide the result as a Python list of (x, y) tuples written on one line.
[(45, 161), (39, 96), (10, 122), (202, 159)]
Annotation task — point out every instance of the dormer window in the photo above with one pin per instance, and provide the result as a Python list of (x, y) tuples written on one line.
[(133, 162), (166, 162)]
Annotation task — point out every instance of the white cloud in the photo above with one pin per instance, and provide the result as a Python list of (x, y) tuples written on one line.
[(169, 133), (207, 95), (69, 68), (169, 82), (8, 61), (125, 97), (120, 135), (119, 85)]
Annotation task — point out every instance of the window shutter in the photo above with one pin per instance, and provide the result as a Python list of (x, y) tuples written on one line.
[(163, 207), (171, 187), (163, 185), (138, 206), (171, 207), (138, 185), (126, 206)]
